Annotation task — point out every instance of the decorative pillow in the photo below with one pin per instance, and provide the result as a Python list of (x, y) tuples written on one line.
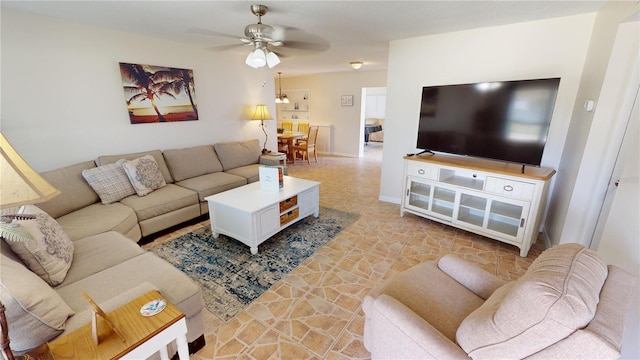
[(144, 174), (238, 153), (35, 311), (50, 252), (557, 295), (109, 181)]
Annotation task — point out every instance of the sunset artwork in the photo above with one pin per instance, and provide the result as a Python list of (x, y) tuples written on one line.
[(158, 93)]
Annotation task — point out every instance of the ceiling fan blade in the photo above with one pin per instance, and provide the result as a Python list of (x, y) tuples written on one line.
[(226, 47), (280, 31), (207, 32), (303, 45), (280, 54)]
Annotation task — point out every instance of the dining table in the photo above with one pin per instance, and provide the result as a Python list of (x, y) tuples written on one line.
[(288, 138)]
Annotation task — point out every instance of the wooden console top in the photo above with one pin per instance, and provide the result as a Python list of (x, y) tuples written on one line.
[(499, 167)]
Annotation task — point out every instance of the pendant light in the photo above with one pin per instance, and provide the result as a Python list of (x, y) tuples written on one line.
[(281, 99)]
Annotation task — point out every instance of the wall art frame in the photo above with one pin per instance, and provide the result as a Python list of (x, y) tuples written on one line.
[(346, 100), (158, 93)]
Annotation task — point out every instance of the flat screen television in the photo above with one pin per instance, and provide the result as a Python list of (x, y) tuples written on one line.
[(505, 120)]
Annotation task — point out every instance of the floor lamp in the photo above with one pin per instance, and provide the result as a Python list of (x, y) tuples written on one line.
[(19, 185), (262, 114)]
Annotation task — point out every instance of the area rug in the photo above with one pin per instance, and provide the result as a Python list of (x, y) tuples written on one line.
[(230, 277)]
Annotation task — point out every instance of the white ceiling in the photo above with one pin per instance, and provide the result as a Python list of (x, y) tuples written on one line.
[(339, 31)]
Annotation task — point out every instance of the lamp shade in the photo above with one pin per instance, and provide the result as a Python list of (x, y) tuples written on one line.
[(249, 60), (261, 113), (272, 59), (257, 58), (19, 183)]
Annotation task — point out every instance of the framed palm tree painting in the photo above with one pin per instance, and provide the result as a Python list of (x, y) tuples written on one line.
[(158, 93)]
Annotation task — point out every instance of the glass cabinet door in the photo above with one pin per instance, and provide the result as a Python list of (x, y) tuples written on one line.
[(472, 209), (507, 218), (418, 195), (443, 201)]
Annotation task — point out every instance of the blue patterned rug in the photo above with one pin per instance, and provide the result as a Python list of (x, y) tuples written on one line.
[(230, 277)]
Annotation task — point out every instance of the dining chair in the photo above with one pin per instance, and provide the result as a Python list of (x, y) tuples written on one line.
[(308, 146), (303, 127), (283, 148), (287, 126)]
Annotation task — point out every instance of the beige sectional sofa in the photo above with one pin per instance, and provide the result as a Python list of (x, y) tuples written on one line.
[(190, 174), (107, 263)]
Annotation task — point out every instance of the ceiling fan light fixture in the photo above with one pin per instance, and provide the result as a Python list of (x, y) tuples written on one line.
[(272, 59), (249, 60), (355, 65), (258, 58), (280, 98)]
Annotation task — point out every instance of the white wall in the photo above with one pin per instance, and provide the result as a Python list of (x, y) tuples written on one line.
[(325, 91), (584, 169), (63, 101), (539, 49)]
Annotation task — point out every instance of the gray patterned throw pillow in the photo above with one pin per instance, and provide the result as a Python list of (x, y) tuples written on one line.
[(50, 252), (144, 174)]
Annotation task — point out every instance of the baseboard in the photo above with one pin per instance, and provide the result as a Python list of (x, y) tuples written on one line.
[(546, 238), (390, 199)]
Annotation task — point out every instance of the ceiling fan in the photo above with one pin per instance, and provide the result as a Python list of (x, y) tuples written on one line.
[(260, 36), (264, 38)]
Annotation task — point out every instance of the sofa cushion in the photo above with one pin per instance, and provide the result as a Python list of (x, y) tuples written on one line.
[(98, 218), (431, 294), (162, 201), (35, 312), (238, 153), (147, 267), (109, 181), (209, 184), (50, 252), (191, 162), (75, 191), (157, 155), (250, 172), (99, 252), (555, 297), (144, 174)]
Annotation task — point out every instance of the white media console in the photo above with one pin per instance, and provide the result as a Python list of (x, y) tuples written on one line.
[(490, 198)]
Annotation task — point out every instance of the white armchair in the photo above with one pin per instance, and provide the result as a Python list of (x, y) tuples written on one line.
[(568, 305)]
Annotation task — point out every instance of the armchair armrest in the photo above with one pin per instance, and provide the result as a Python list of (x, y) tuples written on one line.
[(479, 281), (397, 332)]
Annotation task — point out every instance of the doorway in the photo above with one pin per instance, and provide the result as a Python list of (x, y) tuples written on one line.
[(372, 122)]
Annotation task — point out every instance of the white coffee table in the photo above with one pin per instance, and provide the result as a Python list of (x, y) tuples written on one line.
[(252, 215)]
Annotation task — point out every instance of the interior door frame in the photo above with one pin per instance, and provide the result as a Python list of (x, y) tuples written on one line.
[(624, 120)]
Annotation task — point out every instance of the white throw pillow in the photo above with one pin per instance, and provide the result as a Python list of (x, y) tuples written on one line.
[(50, 252), (144, 174), (109, 181)]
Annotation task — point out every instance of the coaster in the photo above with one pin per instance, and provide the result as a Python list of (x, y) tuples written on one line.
[(153, 307)]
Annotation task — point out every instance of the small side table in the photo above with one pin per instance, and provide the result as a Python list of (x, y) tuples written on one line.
[(275, 158), (144, 335)]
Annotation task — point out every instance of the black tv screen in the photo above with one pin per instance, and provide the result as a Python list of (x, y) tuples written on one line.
[(506, 120)]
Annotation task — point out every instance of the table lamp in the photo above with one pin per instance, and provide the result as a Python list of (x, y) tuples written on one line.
[(262, 114), (19, 185)]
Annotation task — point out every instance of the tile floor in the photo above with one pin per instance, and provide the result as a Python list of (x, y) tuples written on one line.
[(314, 312)]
